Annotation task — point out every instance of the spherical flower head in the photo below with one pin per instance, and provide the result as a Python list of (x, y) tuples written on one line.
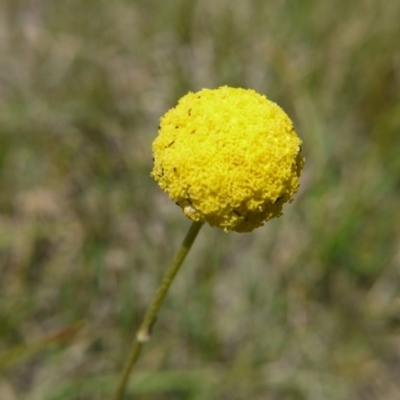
[(229, 157)]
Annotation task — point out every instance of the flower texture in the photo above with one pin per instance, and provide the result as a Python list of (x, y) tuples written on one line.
[(229, 157)]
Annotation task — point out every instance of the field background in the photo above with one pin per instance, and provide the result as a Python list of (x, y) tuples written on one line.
[(305, 308)]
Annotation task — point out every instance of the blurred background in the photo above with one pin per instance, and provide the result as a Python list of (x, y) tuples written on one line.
[(306, 307)]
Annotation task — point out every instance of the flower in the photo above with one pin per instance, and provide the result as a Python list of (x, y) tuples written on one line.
[(229, 157)]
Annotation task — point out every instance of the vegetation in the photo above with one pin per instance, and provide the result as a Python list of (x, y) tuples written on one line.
[(306, 307)]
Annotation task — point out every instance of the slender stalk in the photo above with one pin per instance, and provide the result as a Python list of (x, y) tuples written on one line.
[(144, 333)]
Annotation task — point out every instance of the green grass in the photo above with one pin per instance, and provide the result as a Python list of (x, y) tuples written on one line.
[(306, 307)]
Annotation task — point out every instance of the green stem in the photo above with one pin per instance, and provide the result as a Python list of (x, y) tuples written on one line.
[(144, 333)]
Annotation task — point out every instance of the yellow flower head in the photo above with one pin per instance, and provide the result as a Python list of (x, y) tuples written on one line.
[(229, 157)]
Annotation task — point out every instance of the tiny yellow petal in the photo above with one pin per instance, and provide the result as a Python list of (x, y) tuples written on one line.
[(229, 157)]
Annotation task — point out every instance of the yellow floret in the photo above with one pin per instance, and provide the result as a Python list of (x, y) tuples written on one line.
[(229, 157)]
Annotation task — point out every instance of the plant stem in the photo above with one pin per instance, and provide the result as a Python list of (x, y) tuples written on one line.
[(144, 333)]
